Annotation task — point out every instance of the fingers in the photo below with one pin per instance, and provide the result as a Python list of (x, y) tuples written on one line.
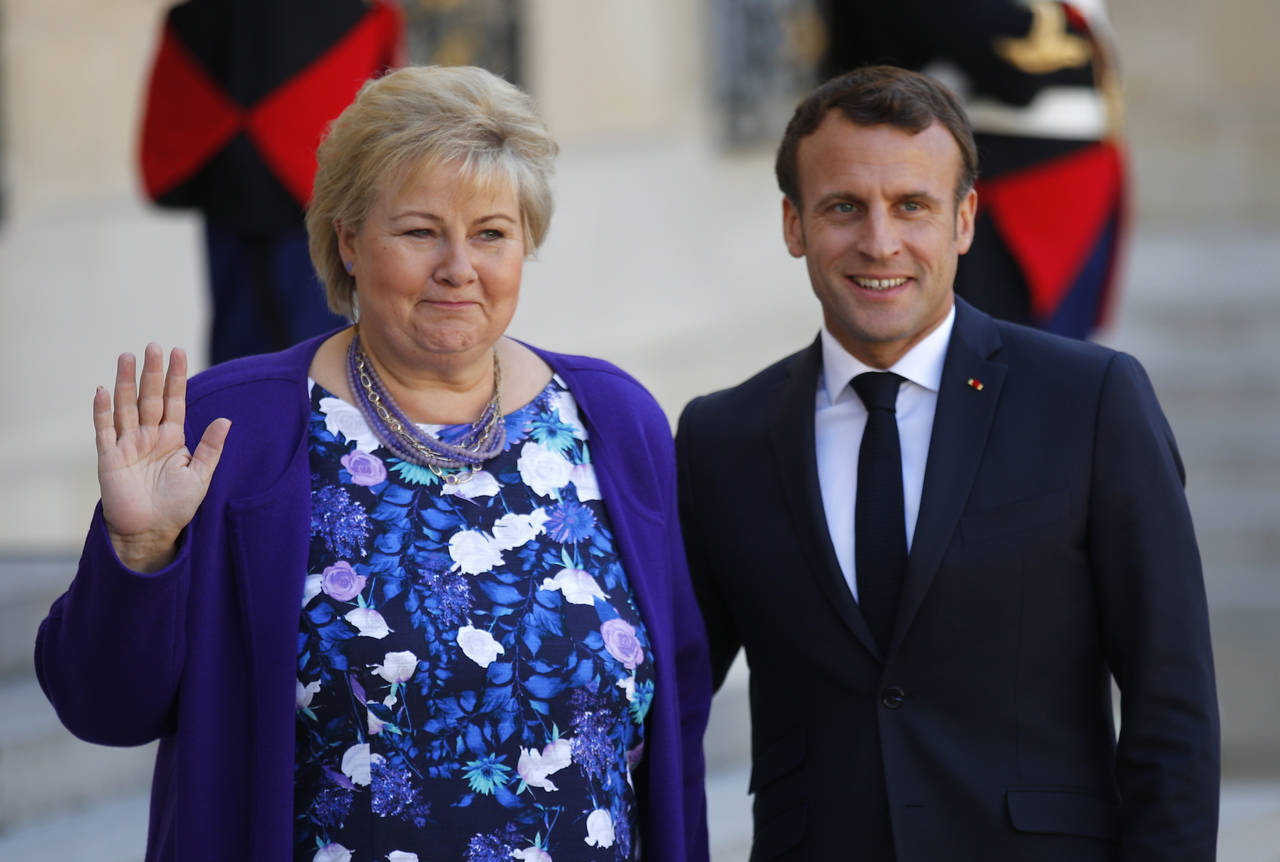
[(126, 395), (103, 429), (151, 387), (207, 454), (175, 387), (159, 396)]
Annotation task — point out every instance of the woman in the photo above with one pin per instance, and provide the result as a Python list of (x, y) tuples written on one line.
[(429, 600)]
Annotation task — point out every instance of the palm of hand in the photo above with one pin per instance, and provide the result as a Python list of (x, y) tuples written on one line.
[(151, 483), (147, 483)]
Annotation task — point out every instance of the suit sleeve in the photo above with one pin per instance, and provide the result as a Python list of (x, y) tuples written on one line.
[(109, 654), (1156, 627), (722, 633)]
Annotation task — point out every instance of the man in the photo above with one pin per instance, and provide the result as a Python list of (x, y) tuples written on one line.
[(931, 645)]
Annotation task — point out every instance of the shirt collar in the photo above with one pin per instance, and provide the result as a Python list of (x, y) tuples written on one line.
[(922, 364)]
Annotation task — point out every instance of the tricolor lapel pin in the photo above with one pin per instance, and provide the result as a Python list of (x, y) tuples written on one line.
[(975, 383)]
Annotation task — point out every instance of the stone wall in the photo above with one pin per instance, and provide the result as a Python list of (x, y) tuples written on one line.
[(1203, 108)]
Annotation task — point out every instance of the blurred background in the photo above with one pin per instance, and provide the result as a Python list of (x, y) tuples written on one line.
[(667, 240)]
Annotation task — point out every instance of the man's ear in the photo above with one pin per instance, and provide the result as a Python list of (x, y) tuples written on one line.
[(792, 229), (966, 215)]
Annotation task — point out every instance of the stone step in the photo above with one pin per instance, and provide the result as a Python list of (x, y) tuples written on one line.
[(44, 770), (1249, 824), (28, 585), (727, 744), (112, 829)]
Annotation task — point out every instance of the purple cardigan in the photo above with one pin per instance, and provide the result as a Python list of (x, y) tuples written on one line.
[(202, 655)]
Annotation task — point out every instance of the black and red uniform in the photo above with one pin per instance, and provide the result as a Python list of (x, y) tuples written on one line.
[(241, 92)]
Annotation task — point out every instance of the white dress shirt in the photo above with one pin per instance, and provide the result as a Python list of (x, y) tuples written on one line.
[(840, 417)]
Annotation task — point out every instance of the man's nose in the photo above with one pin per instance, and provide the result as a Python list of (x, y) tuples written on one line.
[(878, 237)]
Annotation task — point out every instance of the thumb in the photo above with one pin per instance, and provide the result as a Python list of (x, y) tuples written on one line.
[(205, 459)]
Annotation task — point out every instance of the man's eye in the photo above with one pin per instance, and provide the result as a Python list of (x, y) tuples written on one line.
[(843, 208)]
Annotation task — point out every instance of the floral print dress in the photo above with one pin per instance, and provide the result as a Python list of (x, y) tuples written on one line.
[(473, 673)]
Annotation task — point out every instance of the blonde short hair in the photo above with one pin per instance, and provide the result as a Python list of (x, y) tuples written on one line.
[(414, 119)]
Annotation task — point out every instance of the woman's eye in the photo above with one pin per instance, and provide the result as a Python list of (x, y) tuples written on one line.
[(491, 233), (421, 232)]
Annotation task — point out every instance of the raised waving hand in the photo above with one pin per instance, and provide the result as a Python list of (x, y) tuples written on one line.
[(151, 483)]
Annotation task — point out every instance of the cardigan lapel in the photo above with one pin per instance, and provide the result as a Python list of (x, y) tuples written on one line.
[(619, 476), (268, 537), (960, 428), (790, 419), (646, 536)]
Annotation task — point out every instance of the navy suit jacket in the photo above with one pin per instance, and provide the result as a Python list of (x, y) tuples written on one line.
[(1054, 550)]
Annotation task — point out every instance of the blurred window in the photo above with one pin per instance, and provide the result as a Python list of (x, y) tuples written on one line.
[(482, 33), (765, 53)]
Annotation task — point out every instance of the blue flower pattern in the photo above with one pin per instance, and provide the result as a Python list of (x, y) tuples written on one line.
[(473, 673)]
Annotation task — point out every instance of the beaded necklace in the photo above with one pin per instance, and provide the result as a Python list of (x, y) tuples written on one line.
[(454, 463)]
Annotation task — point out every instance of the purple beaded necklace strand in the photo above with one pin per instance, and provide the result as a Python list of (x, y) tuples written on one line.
[(452, 462)]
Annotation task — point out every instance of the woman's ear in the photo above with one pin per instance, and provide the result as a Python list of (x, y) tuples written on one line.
[(346, 244)]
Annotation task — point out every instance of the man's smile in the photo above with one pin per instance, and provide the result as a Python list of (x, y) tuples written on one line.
[(878, 283)]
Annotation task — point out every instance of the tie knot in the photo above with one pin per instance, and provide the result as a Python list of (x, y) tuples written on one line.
[(877, 389)]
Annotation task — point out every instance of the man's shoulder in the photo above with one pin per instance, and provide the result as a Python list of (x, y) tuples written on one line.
[(1027, 351), (743, 411), (1027, 340), (1050, 372), (764, 381)]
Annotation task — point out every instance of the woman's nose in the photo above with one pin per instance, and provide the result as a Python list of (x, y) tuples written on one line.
[(455, 267)]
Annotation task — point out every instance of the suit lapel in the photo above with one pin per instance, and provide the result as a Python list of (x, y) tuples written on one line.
[(790, 418), (960, 428)]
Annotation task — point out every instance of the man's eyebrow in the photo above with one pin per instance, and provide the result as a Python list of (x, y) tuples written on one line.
[(848, 197), (919, 195), (836, 197)]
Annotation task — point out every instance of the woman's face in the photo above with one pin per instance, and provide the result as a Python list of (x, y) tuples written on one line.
[(437, 266)]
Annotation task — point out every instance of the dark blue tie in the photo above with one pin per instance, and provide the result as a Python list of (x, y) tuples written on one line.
[(880, 533)]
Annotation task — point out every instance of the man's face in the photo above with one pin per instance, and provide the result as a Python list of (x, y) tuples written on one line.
[(880, 231)]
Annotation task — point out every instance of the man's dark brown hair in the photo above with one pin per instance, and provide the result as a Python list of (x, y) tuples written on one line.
[(879, 95)]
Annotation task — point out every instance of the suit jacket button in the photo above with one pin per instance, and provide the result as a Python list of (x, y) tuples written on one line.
[(893, 697)]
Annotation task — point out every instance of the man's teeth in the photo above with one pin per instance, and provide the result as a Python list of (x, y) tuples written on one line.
[(880, 283)]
